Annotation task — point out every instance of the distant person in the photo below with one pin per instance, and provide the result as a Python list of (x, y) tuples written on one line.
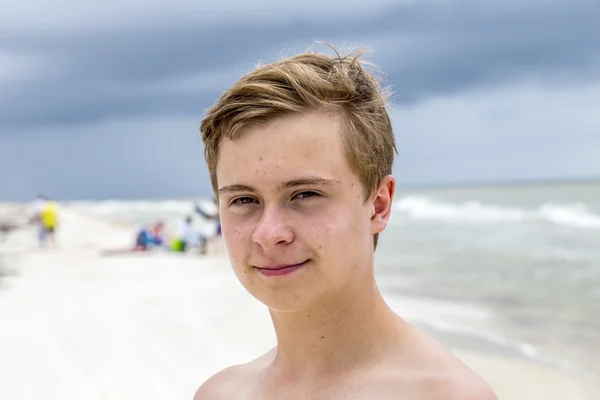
[(187, 237), (150, 237), (300, 154), (45, 216), (212, 217)]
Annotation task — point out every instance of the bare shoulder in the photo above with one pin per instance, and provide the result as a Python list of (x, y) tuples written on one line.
[(453, 380), (232, 381), (445, 376), (431, 385), (220, 385), (428, 370), (457, 386)]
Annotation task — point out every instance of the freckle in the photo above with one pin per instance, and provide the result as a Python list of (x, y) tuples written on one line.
[(309, 316), (320, 246), (313, 345), (260, 158)]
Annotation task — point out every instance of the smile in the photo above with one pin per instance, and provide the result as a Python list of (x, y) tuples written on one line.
[(281, 270)]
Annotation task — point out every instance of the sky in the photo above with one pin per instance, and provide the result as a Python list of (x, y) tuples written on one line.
[(104, 99)]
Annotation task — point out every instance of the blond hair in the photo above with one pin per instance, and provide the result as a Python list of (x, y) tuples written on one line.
[(311, 82)]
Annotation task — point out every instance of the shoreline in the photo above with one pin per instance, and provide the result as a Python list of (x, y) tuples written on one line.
[(103, 316)]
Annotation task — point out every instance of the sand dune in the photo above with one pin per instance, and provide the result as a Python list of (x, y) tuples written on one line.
[(78, 326)]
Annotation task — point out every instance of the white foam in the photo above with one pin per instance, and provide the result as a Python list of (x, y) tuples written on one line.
[(576, 215), (471, 211)]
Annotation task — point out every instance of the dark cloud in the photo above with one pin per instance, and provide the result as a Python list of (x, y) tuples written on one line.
[(425, 48)]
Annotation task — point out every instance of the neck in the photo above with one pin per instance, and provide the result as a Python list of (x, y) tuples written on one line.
[(336, 334)]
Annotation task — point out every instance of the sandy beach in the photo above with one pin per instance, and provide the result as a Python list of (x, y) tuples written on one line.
[(75, 325)]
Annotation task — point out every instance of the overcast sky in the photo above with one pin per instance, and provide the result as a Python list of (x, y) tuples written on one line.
[(104, 99)]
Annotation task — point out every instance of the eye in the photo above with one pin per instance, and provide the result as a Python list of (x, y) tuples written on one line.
[(241, 201), (306, 195)]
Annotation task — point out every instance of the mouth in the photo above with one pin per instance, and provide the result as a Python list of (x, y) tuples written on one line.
[(279, 270)]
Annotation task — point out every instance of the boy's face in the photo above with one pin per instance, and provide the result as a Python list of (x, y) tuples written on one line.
[(294, 218)]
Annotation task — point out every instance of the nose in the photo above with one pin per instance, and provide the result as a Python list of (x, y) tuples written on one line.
[(272, 229)]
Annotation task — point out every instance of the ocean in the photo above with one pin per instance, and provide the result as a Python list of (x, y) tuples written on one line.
[(525, 259), (514, 269)]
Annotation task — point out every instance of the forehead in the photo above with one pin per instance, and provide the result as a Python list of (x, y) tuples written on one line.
[(284, 148)]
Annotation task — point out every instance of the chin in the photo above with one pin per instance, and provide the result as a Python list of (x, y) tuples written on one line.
[(284, 299)]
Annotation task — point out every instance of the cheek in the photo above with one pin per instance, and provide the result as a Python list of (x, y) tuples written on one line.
[(332, 231), (235, 235)]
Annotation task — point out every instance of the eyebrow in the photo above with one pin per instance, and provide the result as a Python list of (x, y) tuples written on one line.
[(299, 182)]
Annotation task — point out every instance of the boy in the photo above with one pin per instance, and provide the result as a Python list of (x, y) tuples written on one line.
[(300, 155)]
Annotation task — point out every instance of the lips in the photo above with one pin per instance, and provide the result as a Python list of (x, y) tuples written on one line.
[(281, 269)]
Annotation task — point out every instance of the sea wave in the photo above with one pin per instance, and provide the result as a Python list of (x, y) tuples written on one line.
[(575, 215)]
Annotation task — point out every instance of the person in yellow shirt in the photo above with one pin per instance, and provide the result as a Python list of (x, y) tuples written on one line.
[(46, 216)]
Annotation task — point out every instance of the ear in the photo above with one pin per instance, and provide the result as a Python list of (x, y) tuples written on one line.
[(382, 201)]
